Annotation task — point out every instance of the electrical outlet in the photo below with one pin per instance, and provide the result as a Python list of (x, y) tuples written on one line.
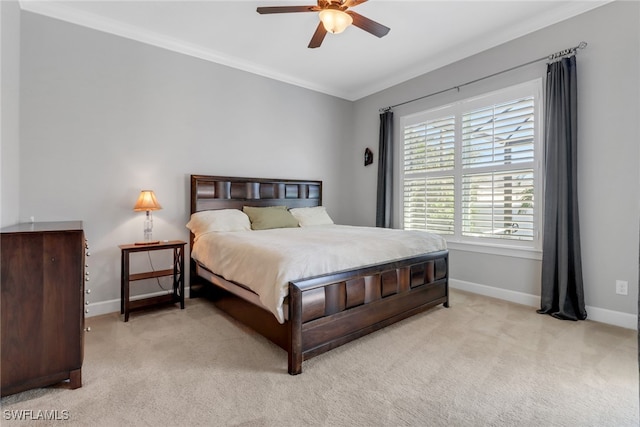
[(622, 287)]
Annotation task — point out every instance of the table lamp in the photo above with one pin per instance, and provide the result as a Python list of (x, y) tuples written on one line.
[(147, 202)]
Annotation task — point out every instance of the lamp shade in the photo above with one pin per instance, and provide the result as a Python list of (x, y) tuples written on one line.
[(147, 202), (335, 21)]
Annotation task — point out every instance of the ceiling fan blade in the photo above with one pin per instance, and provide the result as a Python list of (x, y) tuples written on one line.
[(286, 9), (368, 25), (352, 3), (318, 36)]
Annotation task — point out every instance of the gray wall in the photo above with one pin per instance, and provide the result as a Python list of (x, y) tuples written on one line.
[(10, 112), (104, 117), (608, 158)]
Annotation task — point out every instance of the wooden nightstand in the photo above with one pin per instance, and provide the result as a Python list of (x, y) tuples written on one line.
[(127, 306)]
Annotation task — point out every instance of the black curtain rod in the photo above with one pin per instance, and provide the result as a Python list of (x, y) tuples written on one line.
[(552, 57)]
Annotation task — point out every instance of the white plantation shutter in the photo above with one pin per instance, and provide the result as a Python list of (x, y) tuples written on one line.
[(496, 140), (429, 146), (429, 205), (428, 189), (499, 134), (470, 169), (498, 204)]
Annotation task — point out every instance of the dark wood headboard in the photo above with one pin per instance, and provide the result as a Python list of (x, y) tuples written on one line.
[(224, 192)]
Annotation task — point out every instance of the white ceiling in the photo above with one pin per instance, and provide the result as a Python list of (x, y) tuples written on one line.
[(424, 35)]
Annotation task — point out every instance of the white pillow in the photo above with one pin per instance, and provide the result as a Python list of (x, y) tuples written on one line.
[(311, 216), (218, 220)]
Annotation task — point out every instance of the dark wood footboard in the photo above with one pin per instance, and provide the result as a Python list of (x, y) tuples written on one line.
[(330, 310)]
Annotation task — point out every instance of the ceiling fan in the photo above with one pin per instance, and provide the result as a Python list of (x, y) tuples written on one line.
[(334, 18)]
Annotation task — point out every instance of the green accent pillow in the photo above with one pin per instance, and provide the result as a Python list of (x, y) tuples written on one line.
[(270, 217)]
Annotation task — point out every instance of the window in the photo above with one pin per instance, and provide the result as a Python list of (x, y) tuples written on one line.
[(470, 170)]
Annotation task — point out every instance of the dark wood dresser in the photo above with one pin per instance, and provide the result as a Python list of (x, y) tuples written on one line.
[(43, 272)]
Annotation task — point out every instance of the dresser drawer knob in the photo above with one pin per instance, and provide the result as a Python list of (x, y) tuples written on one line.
[(88, 291), (87, 329)]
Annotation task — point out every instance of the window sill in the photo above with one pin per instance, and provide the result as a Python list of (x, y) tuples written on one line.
[(502, 250)]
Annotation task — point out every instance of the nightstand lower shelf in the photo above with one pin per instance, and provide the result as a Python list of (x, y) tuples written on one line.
[(144, 303)]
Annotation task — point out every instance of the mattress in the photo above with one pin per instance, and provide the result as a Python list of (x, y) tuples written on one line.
[(267, 260)]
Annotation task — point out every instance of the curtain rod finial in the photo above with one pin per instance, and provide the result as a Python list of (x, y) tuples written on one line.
[(582, 45)]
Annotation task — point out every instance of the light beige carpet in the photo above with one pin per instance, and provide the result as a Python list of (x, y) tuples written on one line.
[(482, 362)]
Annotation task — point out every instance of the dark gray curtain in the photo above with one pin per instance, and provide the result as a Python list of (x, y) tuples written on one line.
[(385, 170), (562, 294)]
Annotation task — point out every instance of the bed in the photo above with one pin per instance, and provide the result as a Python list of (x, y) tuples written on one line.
[(322, 311)]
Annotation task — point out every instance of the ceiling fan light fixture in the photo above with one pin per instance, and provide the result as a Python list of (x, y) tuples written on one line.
[(335, 21)]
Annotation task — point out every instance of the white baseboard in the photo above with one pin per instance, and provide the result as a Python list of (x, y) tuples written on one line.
[(624, 320), (113, 306), (103, 307), (490, 291), (616, 318), (611, 317)]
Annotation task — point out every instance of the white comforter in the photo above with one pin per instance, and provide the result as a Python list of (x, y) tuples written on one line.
[(267, 260)]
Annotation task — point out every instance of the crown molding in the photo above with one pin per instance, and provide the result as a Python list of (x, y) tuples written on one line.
[(107, 25), (110, 26), (554, 16)]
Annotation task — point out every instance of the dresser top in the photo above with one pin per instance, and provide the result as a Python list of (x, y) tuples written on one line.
[(43, 226)]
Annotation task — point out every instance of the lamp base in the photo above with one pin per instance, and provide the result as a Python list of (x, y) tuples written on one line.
[(155, 242)]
